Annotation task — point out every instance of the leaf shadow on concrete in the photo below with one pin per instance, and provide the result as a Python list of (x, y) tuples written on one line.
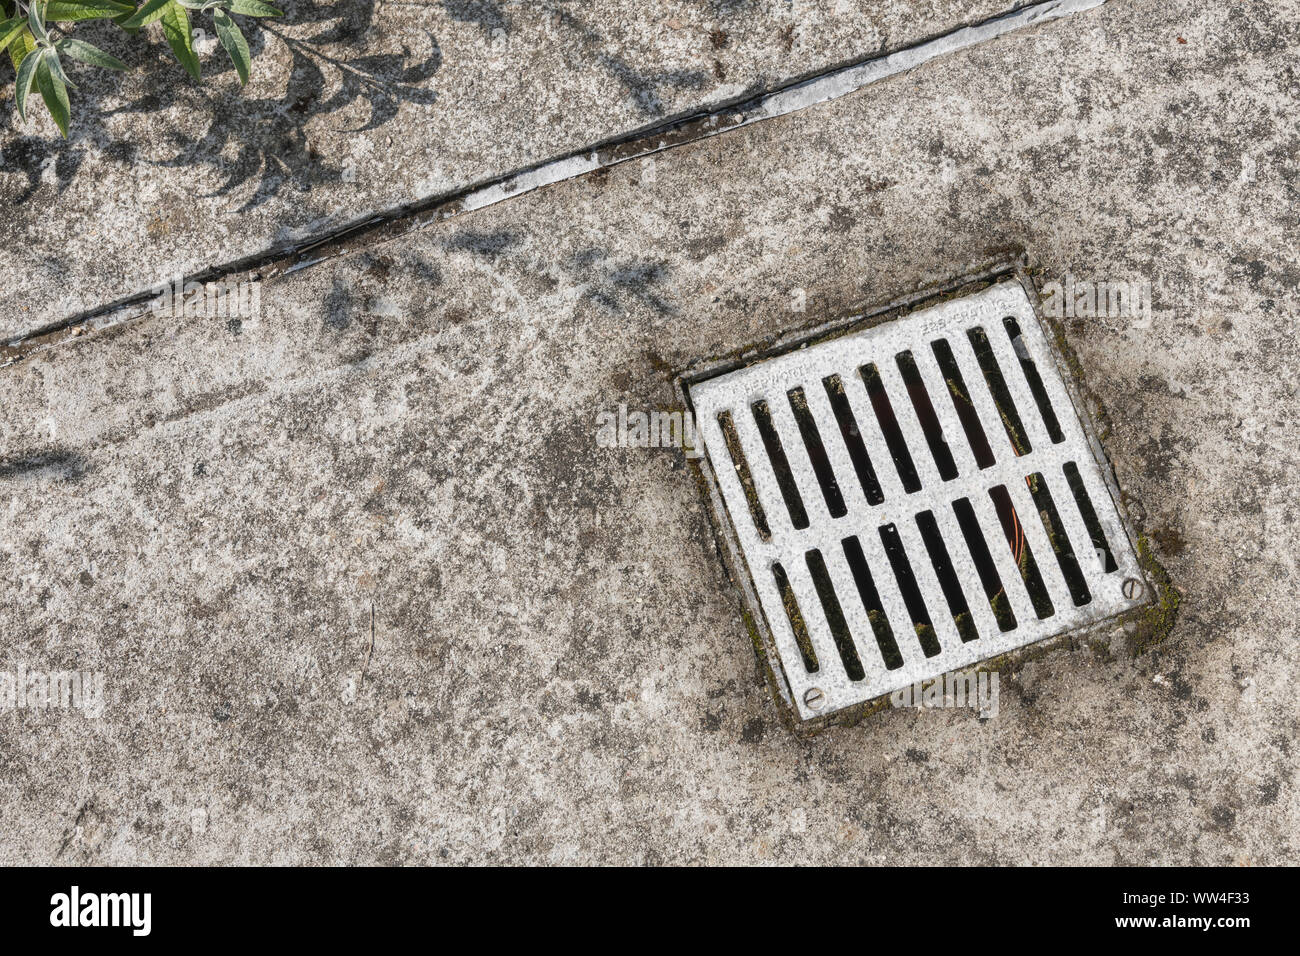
[(259, 145), (645, 88)]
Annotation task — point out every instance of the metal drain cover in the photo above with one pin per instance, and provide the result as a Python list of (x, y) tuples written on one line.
[(913, 498)]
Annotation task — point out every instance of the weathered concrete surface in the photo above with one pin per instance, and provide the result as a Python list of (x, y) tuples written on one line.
[(208, 512), (360, 106)]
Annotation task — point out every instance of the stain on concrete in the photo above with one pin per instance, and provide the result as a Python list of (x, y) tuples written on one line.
[(56, 464)]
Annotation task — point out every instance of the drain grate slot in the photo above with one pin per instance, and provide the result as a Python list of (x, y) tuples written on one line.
[(917, 497), (839, 627), (962, 404), (1101, 547), (889, 427), (1018, 538), (876, 618), (997, 386), (1034, 381), (941, 561), (926, 416), (794, 616), (780, 464), (853, 443), (910, 590), (1075, 581), (812, 442), (982, 558), (738, 461)]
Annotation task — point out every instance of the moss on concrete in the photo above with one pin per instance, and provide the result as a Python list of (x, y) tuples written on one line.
[(1155, 622)]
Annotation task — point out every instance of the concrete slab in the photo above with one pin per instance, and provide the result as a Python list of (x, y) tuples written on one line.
[(208, 511), (359, 106)]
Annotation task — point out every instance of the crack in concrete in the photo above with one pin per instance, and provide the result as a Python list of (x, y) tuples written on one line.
[(791, 97)]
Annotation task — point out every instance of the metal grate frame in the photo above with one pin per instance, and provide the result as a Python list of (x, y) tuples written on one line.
[(911, 497)]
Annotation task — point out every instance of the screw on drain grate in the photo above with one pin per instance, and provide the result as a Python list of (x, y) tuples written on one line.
[(911, 498)]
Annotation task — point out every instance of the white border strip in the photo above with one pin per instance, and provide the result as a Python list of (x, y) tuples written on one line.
[(821, 89), (853, 78)]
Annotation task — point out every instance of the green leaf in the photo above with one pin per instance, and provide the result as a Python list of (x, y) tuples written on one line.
[(19, 48), (176, 28), (232, 39), (54, 92), (151, 11), (56, 68), (26, 76), (254, 8), (88, 53), (36, 20), (70, 11), (10, 29)]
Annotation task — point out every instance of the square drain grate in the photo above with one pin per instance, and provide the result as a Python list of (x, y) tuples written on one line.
[(913, 498)]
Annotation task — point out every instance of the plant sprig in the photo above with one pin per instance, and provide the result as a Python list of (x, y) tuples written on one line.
[(30, 32)]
